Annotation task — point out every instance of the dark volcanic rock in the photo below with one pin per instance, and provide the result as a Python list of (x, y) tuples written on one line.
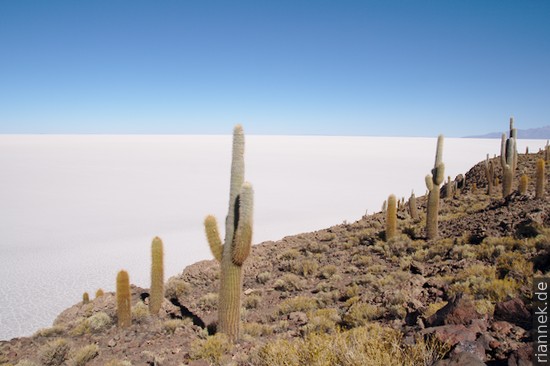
[(514, 311), (459, 310), (461, 359)]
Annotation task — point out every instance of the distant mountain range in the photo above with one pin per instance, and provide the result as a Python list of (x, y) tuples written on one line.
[(531, 133)]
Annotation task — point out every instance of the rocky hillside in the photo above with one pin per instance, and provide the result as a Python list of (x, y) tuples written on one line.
[(342, 296)]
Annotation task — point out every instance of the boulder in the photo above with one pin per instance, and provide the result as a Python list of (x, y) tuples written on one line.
[(459, 310), (514, 311)]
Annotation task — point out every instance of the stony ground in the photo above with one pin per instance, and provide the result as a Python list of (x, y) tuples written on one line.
[(469, 290)]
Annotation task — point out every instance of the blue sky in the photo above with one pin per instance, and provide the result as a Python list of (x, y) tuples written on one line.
[(394, 68)]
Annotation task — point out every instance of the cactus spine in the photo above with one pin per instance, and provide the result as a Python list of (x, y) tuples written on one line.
[(391, 217), (123, 303), (490, 173), (157, 276), (412, 206), (238, 240), (432, 183), (541, 179)]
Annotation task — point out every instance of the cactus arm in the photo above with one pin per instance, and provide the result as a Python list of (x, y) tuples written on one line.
[(242, 243), (439, 173), (429, 182), (213, 237), (439, 151), (503, 151)]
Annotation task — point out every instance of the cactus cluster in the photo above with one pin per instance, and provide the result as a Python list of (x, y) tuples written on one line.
[(237, 244), (433, 181)]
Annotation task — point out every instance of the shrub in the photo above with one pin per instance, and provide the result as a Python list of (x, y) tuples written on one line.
[(211, 349), (263, 277), (289, 282), (84, 355), (322, 321), (298, 303), (26, 362), (371, 345), (252, 301), (54, 331), (209, 301), (328, 271), (175, 288), (99, 321), (140, 312), (481, 282), (54, 353), (257, 329), (171, 325), (315, 247), (289, 254), (309, 267), (359, 314)]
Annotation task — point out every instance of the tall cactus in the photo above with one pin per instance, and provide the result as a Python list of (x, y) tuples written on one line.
[(433, 182), (490, 174), (237, 244), (541, 179), (514, 135), (157, 276), (123, 303), (507, 148), (391, 217)]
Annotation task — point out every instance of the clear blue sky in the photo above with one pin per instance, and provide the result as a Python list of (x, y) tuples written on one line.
[(398, 68)]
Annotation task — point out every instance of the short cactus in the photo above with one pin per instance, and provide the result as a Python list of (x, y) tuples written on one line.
[(413, 210), (523, 182), (99, 293), (157, 276), (540, 179), (237, 244), (123, 303), (433, 182), (85, 298), (391, 217)]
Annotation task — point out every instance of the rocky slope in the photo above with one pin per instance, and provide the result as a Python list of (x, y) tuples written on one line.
[(463, 298)]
